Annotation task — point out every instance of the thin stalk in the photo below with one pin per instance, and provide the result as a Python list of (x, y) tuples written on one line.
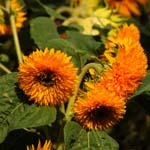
[(84, 70), (62, 108), (60, 147), (71, 3), (16, 39), (14, 31), (4, 68)]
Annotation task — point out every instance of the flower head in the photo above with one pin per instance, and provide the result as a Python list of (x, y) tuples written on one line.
[(100, 109), (127, 71), (126, 7), (123, 37), (125, 32), (47, 146), (47, 77), (17, 10)]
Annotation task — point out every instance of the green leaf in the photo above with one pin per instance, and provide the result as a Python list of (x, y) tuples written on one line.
[(145, 87), (77, 138), (83, 43), (51, 11), (42, 30), (15, 113)]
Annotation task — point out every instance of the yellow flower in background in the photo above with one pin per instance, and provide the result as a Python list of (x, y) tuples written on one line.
[(99, 17), (17, 10), (20, 15), (99, 109), (126, 7), (3, 29), (47, 77), (47, 146)]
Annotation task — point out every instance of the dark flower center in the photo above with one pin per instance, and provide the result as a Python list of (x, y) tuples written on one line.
[(47, 78), (102, 112)]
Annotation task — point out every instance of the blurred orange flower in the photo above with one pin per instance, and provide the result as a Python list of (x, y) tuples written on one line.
[(99, 109), (47, 77), (17, 10), (126, 7)]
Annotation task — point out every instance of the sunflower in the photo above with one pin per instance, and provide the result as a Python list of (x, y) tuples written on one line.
[(47, 77), (47, 146), (125, 36), (127, 71), (99, 109), (17, 10), (126, 7)]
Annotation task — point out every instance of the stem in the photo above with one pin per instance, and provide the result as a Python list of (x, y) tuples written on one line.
[(4, 68), (15, 37), (62, 108), (14, 32), (71, 3), (60, 143), (98, 68), (60, 147)]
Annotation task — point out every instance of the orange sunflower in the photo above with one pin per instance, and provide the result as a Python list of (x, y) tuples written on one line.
[(125, 32), (17, 10), (47, 146), (99, 110), (126, 7), (127, 71), (47, 77), (125, 36)]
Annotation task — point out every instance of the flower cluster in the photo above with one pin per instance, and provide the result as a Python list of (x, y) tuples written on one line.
[(79, 63), (104, 104)]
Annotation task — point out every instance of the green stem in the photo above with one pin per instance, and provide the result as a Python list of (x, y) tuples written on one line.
[(15, 37), (60, 147), (60, 143), (14, 32), (62, 108), (71, 3), (98, 68), (4, 68)]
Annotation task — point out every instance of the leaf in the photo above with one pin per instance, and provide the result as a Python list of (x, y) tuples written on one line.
[(51, 11), (83, 43), (15, 113), (42, 30), (77, 138), (145, 86)]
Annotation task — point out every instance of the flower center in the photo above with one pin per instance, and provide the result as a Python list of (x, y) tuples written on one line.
[(102, 113), (47, 78)]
